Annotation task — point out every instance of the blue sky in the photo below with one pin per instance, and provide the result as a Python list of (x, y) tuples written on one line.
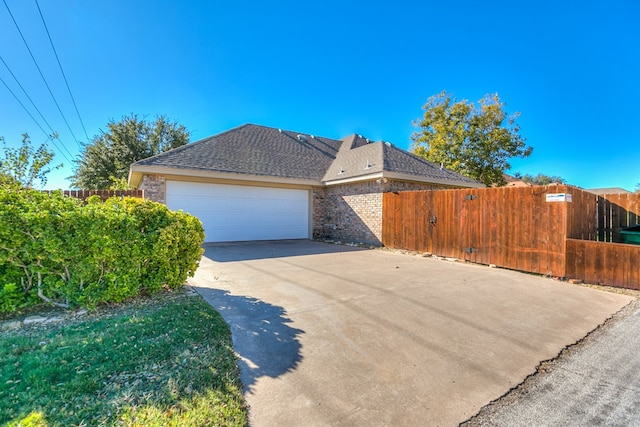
[(333, 68)]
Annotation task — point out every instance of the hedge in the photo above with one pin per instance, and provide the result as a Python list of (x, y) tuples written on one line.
[(69, 253)]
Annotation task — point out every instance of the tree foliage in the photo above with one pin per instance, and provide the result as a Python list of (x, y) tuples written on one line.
[(104, 163), (25, 165), (540, 179), (474, 140)]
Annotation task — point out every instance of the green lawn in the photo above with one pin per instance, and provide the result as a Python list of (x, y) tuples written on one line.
[(161, 361)]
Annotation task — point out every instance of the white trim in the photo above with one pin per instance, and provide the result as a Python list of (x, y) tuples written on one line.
[(429, 180), (405, 177), (136, 172)]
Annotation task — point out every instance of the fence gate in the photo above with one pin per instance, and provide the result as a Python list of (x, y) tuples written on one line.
[(510, 227)]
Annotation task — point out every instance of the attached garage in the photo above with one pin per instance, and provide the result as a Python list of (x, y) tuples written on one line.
[(240, 213)]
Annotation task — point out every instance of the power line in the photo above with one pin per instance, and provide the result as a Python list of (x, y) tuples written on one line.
[(41, 128), (25, 93), (62, 71), (41, 74)]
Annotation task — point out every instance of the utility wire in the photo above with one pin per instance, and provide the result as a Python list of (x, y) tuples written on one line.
[(41, 74), (25, 93), (32, 103), (62, 71), (40, 126)]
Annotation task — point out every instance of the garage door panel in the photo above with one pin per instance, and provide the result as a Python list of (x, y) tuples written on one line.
[(235, 213)]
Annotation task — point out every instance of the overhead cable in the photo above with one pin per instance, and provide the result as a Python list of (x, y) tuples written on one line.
[(62, 71), (51, 137), (41, 74), (25, 94)]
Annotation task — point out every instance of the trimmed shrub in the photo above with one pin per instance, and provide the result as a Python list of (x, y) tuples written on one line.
[(71, 253)]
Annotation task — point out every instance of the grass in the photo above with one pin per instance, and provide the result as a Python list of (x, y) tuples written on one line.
[(161, 361)]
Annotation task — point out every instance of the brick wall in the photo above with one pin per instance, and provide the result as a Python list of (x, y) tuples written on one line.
[(154, 188), (353, 212)]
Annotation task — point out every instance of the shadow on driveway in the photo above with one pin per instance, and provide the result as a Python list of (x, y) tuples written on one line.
[(266, 249), (265, 343)]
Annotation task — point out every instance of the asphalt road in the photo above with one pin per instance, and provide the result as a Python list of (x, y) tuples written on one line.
[(593, 383)]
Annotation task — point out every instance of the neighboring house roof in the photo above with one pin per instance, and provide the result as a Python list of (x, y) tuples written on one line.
[(610, 190), (512, 181), (276, 155)]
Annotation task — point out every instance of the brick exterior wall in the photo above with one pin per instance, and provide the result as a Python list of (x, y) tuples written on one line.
[(154, 188), (353, 212)]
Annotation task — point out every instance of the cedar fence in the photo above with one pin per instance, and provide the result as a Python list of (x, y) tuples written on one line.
[(522, 228), (104, 194)]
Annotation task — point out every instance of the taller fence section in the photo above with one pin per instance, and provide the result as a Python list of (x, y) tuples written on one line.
[(615, 212), (552, 230)]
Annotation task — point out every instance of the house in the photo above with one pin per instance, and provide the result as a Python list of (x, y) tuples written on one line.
[(260, 183), (512, 181)]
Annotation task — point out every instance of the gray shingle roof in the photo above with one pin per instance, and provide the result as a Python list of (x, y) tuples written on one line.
[(263, 151), (255, 150)]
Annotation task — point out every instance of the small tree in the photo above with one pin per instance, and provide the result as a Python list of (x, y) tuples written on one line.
[(542, 179), (104, 163), (23, 166), (474, 140)]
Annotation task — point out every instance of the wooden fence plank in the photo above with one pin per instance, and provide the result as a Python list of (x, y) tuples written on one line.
[(612, 264)]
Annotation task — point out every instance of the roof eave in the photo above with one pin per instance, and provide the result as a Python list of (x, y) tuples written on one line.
[(432, 180), (137, 171), (405, 177)]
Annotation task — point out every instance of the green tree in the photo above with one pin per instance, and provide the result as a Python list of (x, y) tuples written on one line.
[(25, 165), (104, 163), (541, 179), (474, 140)]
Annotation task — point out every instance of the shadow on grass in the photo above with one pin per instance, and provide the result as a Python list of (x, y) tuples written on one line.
[(262, 337)]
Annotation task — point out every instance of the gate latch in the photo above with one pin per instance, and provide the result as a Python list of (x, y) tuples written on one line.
[(470, 197), (470, 250)]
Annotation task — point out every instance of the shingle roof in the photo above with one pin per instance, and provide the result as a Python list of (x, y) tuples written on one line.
[(255, 150), (258, 150)]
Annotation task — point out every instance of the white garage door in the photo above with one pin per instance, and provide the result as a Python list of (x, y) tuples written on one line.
[(236, 212)]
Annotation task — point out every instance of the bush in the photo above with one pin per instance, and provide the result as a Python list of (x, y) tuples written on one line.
[(73, 253), (10, 298)]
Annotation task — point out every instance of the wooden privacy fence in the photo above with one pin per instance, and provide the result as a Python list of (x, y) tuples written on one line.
[(522, 228), (104, 194), (615, 212), (612, 264)]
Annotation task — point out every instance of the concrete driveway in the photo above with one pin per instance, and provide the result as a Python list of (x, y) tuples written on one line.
[(336, 335)]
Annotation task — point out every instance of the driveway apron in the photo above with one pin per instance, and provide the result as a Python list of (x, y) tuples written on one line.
[(344, 336)]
